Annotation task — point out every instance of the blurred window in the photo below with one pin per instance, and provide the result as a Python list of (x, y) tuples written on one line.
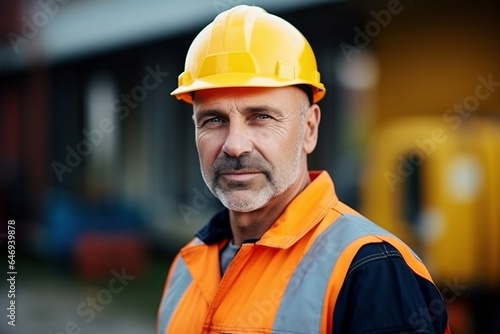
[(101, 129)]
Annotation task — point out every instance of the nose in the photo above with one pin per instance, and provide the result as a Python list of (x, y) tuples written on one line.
[(237, 141)]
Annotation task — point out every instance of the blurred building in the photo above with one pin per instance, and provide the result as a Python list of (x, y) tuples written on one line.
[(89, 132)]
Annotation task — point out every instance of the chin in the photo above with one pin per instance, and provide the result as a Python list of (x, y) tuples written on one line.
[(246, 203)]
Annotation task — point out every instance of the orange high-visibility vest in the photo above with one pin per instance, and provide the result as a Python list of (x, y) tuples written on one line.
[(287, 282)]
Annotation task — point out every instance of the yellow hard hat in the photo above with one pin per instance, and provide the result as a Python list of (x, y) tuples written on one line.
[(247, 47)]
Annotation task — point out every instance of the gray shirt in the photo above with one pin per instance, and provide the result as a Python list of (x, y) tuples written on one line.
[(226, 255)]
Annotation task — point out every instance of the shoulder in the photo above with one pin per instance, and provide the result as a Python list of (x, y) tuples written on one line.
[(388, 295), (373, 255)]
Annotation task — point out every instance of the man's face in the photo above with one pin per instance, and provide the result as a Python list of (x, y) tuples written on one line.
[(250, 143)]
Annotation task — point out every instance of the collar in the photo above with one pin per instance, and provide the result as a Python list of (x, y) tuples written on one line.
[(303, 213)]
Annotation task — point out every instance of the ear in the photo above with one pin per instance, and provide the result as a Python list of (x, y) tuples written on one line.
[(313, 117)]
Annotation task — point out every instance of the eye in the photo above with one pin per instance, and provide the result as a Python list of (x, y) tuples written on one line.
[(211, 122), (262, 117)]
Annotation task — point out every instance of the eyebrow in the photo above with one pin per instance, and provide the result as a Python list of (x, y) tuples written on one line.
[(207, 113), (264, 108), (200, 114)]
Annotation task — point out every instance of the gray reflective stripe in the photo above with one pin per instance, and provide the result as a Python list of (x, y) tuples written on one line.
[(179, 283), (302, 303)]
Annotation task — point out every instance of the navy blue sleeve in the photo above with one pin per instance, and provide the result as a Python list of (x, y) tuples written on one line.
[(382, 295)]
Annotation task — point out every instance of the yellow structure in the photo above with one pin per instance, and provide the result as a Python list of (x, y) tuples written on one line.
[(438, 188)]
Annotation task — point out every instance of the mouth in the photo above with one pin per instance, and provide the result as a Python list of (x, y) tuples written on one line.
[(240, 175)]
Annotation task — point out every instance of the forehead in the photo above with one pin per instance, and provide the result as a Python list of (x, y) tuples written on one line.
[(273, 96)]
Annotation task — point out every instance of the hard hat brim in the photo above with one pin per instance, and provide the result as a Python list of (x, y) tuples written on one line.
[(229, 80)]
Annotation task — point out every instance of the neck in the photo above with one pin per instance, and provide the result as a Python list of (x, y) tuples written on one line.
[(253, 224)]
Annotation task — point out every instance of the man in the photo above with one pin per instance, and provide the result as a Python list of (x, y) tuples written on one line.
[(286, 256)]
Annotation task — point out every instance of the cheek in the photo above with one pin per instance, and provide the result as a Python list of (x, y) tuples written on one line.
[(281, 139), (277, 149), (208, 148)]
